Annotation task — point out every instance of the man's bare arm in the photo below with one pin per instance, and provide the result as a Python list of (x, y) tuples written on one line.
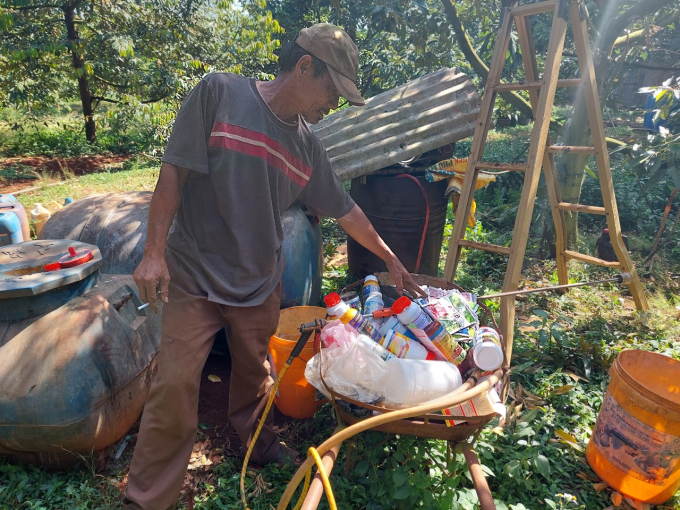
[(358, 226), (152, 273)]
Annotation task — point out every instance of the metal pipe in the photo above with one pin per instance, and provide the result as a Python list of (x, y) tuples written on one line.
[(624, 278), (316, 487), (478, 478)]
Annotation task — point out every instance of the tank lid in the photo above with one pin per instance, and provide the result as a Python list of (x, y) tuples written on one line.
[(30, 268)]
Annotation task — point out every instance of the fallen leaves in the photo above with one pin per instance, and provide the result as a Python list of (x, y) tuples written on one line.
[(568, 439), (203, 456), (562, 390)]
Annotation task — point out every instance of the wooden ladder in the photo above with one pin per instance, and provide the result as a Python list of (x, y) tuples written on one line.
[(541, 154)]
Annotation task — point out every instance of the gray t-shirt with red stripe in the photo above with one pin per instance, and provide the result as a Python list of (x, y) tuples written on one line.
[(247, 167)]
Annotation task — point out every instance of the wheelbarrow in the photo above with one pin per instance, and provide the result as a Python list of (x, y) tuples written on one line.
[(420, 421)]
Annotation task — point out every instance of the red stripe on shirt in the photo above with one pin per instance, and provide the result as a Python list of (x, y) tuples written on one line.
[(250, 142)]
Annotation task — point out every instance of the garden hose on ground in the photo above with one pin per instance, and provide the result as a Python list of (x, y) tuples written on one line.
[(468, 390), (304, 337)]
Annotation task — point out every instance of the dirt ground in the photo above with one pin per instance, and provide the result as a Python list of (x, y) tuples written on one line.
[(216, 439), (56, 168)]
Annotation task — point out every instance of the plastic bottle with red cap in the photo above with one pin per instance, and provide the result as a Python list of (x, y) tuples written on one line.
[(415, 318), (336, 307)]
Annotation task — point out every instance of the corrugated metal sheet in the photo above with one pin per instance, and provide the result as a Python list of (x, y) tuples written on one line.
[(424, 114)]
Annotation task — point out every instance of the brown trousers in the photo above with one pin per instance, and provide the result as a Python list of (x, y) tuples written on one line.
[(169, 423)]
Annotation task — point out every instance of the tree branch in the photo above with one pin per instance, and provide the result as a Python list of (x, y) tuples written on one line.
[(635, 65), (480, 67), (100, 99), (619, 24), (30, 7), (155, 100), (111, 83)]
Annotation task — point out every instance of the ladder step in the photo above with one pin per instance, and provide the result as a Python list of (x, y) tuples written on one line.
[(505, 250), (520, 85), (508, 167), (531, 9), (590, 209), (569, 82), (526, 85), (590, 260), (572, 149)]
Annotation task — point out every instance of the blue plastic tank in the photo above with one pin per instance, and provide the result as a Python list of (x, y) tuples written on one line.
[(76, 356), (117, 224)]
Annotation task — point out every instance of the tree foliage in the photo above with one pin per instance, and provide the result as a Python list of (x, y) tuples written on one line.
[(125, 53), (399, 40)]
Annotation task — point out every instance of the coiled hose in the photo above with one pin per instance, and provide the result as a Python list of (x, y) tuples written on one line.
[(468, 390)]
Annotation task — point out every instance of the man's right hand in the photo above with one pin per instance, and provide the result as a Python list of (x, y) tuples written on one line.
[(152, 276), (152, 279)]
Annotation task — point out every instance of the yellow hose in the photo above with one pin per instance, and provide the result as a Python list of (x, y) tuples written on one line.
[(303, 495), (465, 392), (270, 401), (324, 477)]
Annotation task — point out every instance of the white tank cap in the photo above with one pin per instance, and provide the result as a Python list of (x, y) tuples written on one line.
[(488, 356)]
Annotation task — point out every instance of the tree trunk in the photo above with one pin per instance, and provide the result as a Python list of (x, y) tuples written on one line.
[(81, 74), (571, 169)]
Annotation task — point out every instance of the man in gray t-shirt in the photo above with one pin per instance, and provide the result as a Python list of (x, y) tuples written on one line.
[(239, 155)]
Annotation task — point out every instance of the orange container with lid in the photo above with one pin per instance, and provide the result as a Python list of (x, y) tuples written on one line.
[(296, 397), (635, 446)]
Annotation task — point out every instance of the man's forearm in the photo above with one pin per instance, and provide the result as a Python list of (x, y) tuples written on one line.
[(164, 205), (357, 226)]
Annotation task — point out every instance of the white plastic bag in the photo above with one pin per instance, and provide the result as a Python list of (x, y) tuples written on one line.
[(349, 368)]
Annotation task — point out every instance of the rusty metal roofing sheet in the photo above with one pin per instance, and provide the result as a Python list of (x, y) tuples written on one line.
[(424, 114)]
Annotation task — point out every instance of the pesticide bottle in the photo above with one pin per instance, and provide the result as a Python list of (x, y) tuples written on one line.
[(371, 286), (411, 315), (392, 323), (411, 381), (336, 307), (376, 347), (373, 303), (39, 215), (486, 353), (403, 347)]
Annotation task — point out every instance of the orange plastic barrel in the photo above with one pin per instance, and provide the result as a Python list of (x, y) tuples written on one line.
[(635, 446), (296, 397)]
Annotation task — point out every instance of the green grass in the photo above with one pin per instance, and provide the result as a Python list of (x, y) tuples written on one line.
[(60, 132), (135, 175)]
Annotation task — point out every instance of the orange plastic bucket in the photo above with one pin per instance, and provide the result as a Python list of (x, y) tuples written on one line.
[(296, 397), (635, 446)]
